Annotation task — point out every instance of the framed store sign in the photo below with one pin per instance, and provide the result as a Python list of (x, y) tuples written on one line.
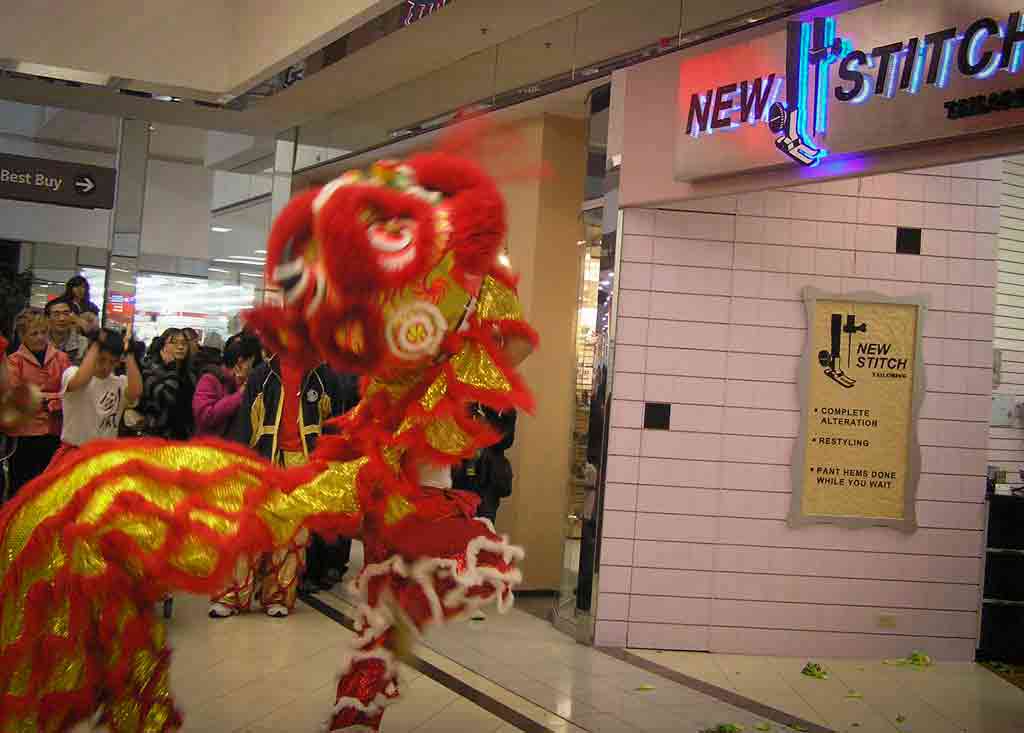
[(858, 460), (46, 181), (883, 76)]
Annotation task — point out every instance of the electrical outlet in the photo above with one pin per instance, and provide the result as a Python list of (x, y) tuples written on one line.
[(1004, 408), (886, 622)]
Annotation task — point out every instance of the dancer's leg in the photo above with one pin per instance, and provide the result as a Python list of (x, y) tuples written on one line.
[(281, 572)]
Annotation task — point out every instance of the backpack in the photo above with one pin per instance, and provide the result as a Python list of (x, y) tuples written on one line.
[(496, 472)]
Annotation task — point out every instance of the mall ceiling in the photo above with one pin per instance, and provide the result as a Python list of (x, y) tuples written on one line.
[(197, 57)]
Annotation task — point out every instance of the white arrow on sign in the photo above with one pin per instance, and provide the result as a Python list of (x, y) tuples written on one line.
[(85, 184)]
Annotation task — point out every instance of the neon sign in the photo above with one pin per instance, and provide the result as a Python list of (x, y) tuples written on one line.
[(419, 9), (800, 121)]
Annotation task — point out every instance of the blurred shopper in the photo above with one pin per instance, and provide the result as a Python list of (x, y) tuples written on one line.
[(489, 473), (64, 330), (89, 324), (192, 336), (168, 388), (282, 413), (596, 437), (39, 363), (209, 356), (220, 388), (76, 294), (94, 396)]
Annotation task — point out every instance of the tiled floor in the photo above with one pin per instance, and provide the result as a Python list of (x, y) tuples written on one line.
[(569, 686), (253, 674), (865, 696), (257, 675)]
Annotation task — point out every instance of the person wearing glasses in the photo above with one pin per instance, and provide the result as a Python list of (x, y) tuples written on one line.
[(40, 364), (64, 329), (168, 387)]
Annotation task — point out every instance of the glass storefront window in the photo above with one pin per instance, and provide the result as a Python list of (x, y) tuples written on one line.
[(48, 283), (174, 301)]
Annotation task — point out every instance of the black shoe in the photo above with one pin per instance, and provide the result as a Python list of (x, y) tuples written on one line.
[(308, 587)]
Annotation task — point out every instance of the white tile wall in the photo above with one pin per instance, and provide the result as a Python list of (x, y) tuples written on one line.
[(1006, 445), (701, 556)]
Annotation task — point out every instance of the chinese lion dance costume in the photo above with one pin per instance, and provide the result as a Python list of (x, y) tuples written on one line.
[(392, 274)]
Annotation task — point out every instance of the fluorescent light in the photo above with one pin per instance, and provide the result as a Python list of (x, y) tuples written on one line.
[(58, 72), (259, 251), (252, 262), (250, 274), (220, 230), (217, 269)]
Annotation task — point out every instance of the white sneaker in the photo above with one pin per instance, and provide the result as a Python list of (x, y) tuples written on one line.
[(219, 610), (276, 610), (478, 615)]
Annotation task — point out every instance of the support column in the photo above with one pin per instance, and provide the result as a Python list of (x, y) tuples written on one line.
[(544, 228), (281, 186), (126, 223)]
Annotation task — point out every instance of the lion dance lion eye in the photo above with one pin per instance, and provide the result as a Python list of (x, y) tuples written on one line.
[(394, 243)]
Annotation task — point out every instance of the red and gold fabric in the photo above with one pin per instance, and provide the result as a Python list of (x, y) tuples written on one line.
[(392, 274)]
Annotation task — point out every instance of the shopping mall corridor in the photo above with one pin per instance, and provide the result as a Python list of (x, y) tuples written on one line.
[(515, 672)]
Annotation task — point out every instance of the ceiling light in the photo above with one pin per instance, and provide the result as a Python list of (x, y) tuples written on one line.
[(252, 262), (250, 274), (217, 269), (58, 72), (259, 251), (219, 229)]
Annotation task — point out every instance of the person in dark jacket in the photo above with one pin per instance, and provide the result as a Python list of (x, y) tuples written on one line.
[(168, 387), (283, 411), (489, 474), (76, 293)]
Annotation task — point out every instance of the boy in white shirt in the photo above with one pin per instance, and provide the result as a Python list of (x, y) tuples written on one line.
[(94, 397)]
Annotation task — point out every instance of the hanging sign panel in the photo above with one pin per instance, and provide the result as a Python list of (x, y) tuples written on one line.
[(857, 462), (46, 181)]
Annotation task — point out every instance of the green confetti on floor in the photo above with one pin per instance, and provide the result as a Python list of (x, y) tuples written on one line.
[(917, 660), (901, 719), (645, 688), (763, 727), (854, 695), (815, 670), (724, 728)]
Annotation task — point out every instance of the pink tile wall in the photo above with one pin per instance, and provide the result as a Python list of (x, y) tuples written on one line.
[(697, 553)]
